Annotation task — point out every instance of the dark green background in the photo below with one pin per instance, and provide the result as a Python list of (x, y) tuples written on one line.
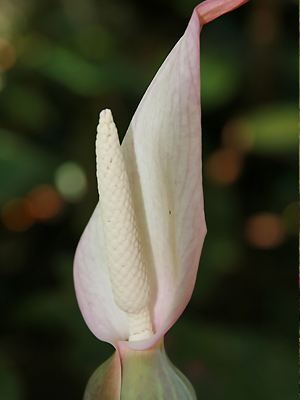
[(61, 62)]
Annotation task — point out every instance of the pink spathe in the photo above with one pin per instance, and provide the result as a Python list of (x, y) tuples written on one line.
[(162, 152)]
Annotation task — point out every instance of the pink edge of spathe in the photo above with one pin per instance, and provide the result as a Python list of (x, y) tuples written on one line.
[(170, 304), (211, 9), (206, 11), (203, 13)]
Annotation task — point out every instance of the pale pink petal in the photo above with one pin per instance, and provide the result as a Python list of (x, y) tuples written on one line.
[(93, 287), (162, 150)]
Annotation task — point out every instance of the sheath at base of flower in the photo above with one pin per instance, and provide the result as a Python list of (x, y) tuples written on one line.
[(136, 263)]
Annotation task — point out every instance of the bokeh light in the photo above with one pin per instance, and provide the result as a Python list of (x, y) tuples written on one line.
[(70, 181), (16, 216), (265, 230), (265, 26), (7, 55), (44, 202), (261, 130), (236, 134), (224, 166)]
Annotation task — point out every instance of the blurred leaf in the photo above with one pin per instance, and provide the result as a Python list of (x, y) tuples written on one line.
[(273, 129), (220, 78), (76, 73), (238, 364), (10, 385), (22, 166), (97, 43), (57, 311), (27, 106)]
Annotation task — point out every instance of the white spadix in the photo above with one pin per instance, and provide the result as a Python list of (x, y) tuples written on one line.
[(126, 264)]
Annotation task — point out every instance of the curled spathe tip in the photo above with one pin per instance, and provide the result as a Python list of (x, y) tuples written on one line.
[(209, 10)]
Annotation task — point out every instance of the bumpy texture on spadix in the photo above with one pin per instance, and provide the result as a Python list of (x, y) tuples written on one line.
[(162, 156), (125, 259)]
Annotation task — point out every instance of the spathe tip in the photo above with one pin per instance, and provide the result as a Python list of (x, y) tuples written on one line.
[(209, 10)]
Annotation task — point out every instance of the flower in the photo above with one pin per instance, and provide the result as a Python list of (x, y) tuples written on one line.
[(136, 263)]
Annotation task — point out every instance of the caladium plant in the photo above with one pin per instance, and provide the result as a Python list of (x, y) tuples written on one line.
[(136, 263)]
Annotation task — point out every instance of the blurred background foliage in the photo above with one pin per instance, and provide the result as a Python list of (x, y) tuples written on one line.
[(61, 62)]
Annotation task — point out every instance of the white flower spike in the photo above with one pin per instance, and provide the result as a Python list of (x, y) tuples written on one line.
[(136, 262), (125, 259)]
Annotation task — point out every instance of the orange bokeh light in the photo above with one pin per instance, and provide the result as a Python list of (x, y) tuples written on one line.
[(44, 202), (7, 55), (15, 215), (265, 230), (224, 166), (236, 134)]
